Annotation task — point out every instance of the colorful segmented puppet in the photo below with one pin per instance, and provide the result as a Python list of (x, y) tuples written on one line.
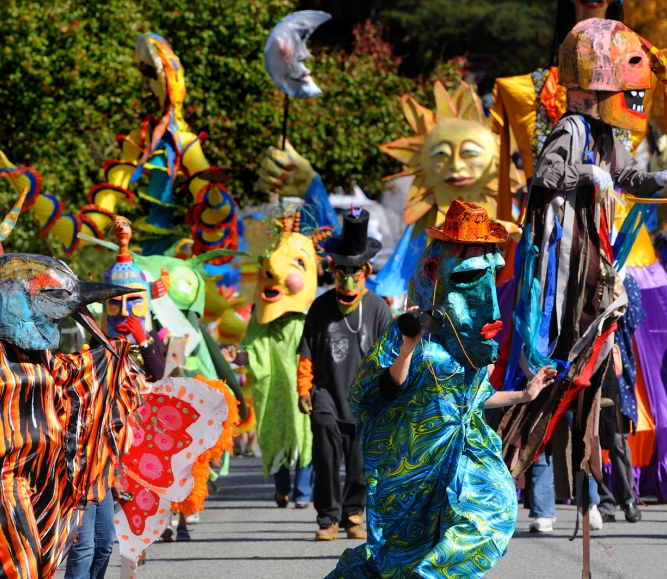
[(65, 416), (167, 151), (454, 155), (441, 502), (570, 294)]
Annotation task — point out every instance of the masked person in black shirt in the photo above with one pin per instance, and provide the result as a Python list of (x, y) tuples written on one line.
[(341, 326)]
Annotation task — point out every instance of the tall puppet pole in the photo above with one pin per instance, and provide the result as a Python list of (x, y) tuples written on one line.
[(284, 56)]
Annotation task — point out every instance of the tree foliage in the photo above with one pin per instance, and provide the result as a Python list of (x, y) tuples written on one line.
[(70, 85), (517, 32)]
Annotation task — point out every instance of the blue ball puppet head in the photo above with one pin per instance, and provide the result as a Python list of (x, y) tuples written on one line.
[(457, 272)]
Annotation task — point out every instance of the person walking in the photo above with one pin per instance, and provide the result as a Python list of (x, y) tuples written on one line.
[(341, 326)]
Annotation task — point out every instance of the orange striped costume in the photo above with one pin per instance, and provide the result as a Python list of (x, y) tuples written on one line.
[(63, 420)]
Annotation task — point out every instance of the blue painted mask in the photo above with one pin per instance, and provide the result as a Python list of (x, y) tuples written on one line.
[(37, 293), (461, 278)]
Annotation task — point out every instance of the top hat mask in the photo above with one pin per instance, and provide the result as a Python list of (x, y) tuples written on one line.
[(353, 247)]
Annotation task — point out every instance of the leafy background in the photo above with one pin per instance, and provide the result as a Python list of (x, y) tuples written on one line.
[(69, 84)]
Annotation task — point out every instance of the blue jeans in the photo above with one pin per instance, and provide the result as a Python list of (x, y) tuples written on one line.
[(89, 556), (543, 494), (303, 483)]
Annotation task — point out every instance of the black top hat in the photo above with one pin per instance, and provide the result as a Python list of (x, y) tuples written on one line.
[(353, 247)]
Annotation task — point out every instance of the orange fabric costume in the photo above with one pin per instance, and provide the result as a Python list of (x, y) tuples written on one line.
[(63, 417)]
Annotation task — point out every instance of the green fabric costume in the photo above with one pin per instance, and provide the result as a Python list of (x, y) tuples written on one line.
[(283, 433)]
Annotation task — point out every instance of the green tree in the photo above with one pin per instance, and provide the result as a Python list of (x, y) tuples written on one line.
[(70, 85), (517, 32)]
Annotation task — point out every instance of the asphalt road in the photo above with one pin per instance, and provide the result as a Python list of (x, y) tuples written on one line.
[(243, 535)]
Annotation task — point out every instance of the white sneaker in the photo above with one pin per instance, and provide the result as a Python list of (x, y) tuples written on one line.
[(174, 520), (542, 525), (192, 519), (594, 518)]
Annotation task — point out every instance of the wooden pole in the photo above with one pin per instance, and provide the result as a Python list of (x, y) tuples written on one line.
[(504, 210), (285, 115), (586, 573)]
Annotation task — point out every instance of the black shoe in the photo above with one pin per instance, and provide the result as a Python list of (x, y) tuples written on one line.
[(282, 503), (632, 513), (607, 518)]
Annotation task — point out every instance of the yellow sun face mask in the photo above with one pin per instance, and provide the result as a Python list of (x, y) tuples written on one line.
[(288, 279)]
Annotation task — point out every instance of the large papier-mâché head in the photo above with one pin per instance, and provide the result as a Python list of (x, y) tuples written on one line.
[(287, 281), (606, 68), (37, 293), (457, 272), (461, 278), (453, 156), (161, 69)]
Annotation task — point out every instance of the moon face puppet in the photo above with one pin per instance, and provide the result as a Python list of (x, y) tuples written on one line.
[(286, 51)]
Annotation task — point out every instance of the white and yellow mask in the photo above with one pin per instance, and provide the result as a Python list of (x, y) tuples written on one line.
[(287, 281)]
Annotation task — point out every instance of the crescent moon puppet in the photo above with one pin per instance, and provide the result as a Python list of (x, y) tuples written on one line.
[(286, 51)]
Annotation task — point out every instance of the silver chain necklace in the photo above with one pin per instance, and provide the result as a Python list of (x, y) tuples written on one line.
[(361, 317)]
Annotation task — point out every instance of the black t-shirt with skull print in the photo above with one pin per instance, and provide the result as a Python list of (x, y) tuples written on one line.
[(336, 352)]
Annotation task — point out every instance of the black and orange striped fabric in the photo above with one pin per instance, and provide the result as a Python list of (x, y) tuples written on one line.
[(64, 419)]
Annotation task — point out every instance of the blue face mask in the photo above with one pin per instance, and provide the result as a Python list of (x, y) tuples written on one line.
[(461, 279)]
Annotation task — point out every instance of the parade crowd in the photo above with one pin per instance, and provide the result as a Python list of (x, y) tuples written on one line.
[(492, 357)]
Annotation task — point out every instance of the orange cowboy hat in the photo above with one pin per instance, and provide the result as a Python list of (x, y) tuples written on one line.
[(468, 223)]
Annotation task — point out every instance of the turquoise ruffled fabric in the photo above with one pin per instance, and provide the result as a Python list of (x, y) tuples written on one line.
[(441, 502)]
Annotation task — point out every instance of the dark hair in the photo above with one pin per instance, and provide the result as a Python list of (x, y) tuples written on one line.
[(565, 21)]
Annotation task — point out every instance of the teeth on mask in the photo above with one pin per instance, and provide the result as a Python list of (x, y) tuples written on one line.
[(633, 93), (641, 93), (641, 108), (634, 107)]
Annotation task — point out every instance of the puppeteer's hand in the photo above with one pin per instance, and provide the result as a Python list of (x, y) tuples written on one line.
[(305, 404), (602, 179), (540, 381), (285, 172), (132, 325), (229, 354), (661, 178)]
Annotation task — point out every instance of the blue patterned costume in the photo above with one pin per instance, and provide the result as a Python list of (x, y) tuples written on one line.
[(441, 502)]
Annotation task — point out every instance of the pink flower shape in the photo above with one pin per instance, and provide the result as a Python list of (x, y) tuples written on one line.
[(145, 412), (145, 500), (169, 417), (164, 441), (139, 435), (150, 466)]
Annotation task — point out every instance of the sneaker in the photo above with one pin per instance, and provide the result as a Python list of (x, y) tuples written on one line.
[(301, 505), (182, 534), (192, 519), (542, 525), (327, 533), (632, 513), (354, 529), (174, 519), (594, 518)]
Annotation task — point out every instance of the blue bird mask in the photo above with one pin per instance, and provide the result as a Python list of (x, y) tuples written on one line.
[(37, 293)]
